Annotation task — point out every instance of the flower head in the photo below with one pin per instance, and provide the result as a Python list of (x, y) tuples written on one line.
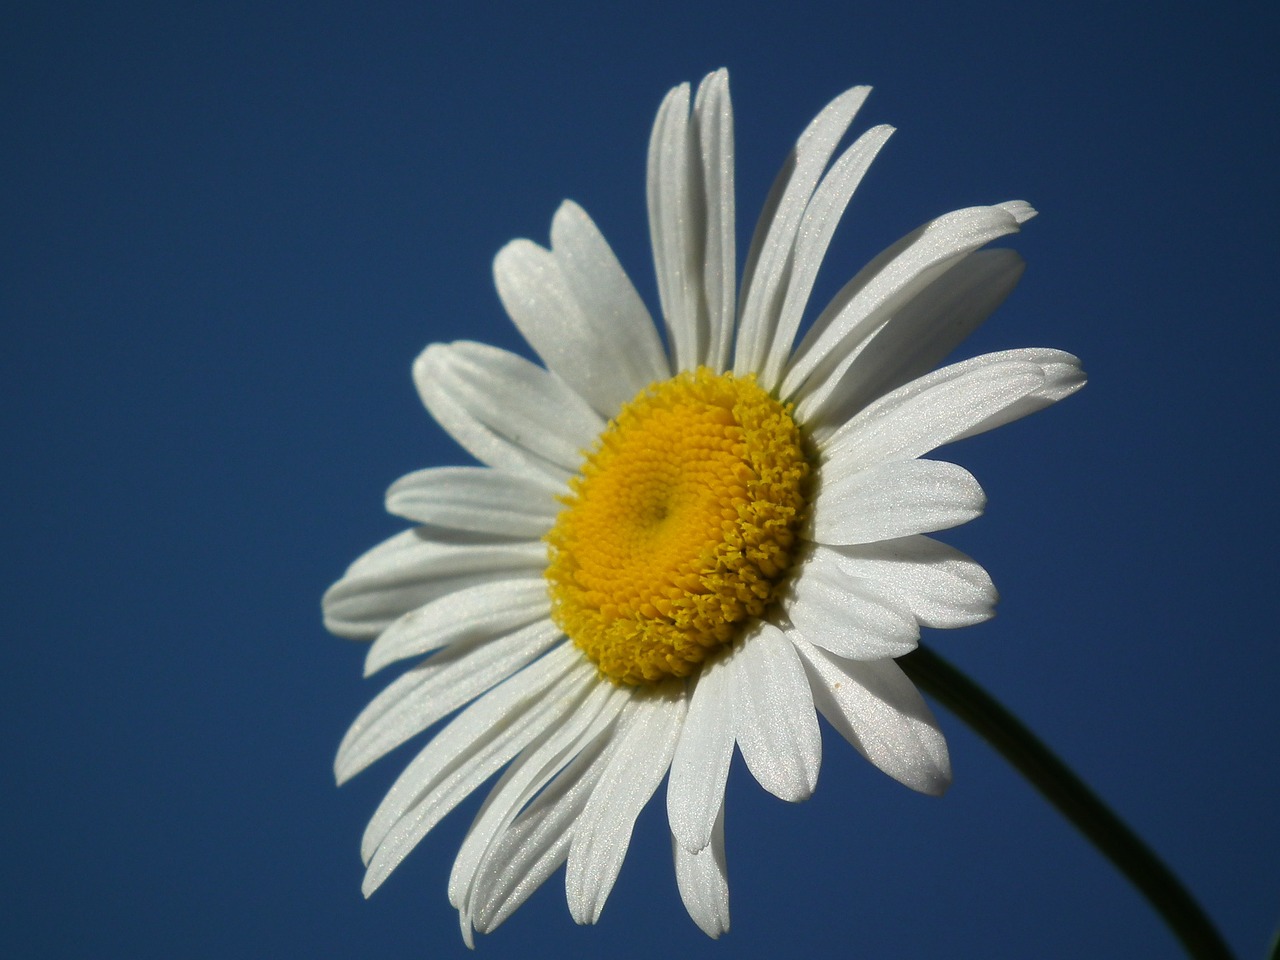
[(670, 551)]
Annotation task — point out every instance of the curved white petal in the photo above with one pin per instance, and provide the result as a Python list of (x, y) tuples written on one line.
[(408, 570), (700, 766), (437, 687), (475, 498), (917, 336), (941, 586), (877, 709), (769, 259), (773, 718), (677, 228), (713, 116), (627, 345), (1063, 376), (850, 616), (896, 499), (912, 421), (481, 612), (817, 227), (505, 411), (577, 308), (469, 750), (637, 763), (537, 842), (532, 770), (881, 288), (703, 880)]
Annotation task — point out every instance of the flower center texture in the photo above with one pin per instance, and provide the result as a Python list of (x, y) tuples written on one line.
[(680, 526)]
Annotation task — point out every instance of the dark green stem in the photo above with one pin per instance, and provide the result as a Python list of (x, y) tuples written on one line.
[(1074, 800)]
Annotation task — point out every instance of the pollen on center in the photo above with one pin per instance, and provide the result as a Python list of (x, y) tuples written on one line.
[(679, 527)]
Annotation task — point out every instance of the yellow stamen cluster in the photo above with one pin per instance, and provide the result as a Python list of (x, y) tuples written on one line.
[(679, 527)]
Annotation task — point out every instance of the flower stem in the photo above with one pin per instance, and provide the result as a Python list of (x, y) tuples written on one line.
[(1074, 800)]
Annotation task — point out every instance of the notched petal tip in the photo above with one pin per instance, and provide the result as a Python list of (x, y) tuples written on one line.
[(1020, 210), (1063, 376)]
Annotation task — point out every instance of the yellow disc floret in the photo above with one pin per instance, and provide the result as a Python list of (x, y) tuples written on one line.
[(679, 527)]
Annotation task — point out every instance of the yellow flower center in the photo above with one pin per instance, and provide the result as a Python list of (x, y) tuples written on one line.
[(680, 526)]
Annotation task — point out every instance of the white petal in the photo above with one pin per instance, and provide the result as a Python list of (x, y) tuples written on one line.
[(704, 881), (505, 411), (838, 611), (628, 342), (768, 261), (437, 687), (877, 709), (816, 229), (918, 335), (409, 570), (677, 227), (1062, 377), (482, 612), (453, 767), (713, 114), (941, 586), (466, 753), (776, 728), (896, 499), (912, 421), (475, 498), (881, 288), (537, 842), (525, 777), (580, 312), (637, 763), (700, 766)]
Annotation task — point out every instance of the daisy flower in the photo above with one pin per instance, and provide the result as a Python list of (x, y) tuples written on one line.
[(670, 551)]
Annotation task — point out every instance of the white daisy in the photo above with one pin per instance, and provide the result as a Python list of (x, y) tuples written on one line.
[(670, 551)]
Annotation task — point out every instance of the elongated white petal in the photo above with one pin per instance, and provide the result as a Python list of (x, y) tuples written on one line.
[(439, 686), (532, 770), (941, 586), (409, 570), (640, 757), (769, 260), (877, 709), (506, 708), (816, 229), (703, 880), (505, 411), (852, 617), (537, 842), (700, 766), (917, 336), (475, 498), (713, 115), (896, 499), (480, 612), (776, 728), (627, 342), (579, 311), (468, 751), (911, 421), (1062, 377), (503, 713), (677, 228), (882, 287)]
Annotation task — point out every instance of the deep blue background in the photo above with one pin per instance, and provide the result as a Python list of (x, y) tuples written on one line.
[(227, 232)]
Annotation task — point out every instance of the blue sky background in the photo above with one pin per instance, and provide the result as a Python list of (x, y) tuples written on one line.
[(227, 231)]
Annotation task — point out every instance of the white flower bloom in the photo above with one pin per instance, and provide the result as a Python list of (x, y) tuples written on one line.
[(670, 551)]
